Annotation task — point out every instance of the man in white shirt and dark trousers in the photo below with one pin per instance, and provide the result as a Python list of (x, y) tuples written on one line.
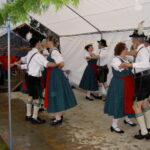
[(34, 63), (141, 67), (102, 64)]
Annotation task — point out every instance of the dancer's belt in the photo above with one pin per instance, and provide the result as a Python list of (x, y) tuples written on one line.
[(143, 73), (103, 67)]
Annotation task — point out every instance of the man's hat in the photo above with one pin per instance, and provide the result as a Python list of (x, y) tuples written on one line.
[(102, 42), (138, 33), (147, 39)]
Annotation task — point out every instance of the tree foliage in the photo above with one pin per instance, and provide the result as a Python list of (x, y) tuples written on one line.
[(19, 10)]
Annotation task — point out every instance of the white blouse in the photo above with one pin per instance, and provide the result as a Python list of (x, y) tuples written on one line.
[(116, 62), (57, 56), (89, 54)]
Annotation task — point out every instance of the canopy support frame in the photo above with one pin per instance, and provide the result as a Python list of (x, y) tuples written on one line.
[(86, 20)]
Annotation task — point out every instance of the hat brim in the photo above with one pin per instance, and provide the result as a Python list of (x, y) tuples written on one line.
[(137, 36)]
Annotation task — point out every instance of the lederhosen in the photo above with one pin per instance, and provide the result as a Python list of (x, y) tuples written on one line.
[(103, 72), (33, 84), (142, 83)]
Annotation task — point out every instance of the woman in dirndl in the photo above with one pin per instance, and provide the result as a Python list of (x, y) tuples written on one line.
[(58, 93), (89, 80), (120, 96)]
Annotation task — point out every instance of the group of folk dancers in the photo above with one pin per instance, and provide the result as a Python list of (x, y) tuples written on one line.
[(127, 95), (129, 90)]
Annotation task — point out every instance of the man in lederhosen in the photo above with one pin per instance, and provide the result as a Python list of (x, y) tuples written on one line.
[(34, 62), (102, 63), (141, 67)]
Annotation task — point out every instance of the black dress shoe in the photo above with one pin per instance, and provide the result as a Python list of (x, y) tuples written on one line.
[(88, 98), (141, 137), (147, 130), (38, 121), (96, 97), (42, 120), (56, 122), (28, 118), (131, 124), (52, 119), (114, 130), (41, 109), (104, 99), (99, 97)]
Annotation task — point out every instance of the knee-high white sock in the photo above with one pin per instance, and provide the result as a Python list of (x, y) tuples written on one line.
[(100, 91), (88, 94), (146, 112), (29, 108), (35, 111), (106, 89), (141, 121)]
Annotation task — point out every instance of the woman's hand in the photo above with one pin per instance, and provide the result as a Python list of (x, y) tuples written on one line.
[(95, 57), (61, 65), (125, 65)]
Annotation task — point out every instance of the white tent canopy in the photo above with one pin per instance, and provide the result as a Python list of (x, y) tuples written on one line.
[(106, 15)]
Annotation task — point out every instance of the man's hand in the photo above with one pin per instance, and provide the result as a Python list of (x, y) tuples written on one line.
[(132, 53)]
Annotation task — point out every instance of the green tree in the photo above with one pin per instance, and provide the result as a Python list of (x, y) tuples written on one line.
[(19, 10)]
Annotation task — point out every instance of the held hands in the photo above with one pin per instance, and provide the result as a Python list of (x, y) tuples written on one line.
[(125, 65), (17, 64), (88, 58)]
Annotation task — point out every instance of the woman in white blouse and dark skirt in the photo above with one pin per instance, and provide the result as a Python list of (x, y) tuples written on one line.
[(120, 96), (89, 80), (58, 93)]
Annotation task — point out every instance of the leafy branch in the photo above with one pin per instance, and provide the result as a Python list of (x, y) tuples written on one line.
[(19, 10)]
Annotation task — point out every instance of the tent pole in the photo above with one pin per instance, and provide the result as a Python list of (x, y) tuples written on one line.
[(9, 85), (85, 20)]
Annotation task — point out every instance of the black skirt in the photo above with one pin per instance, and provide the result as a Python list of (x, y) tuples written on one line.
[(34, 86), (142, 87)]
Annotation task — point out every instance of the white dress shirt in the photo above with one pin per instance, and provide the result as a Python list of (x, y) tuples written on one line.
[(116, 62), (56, 56), (142, 59), (36, 64), (103, 60), (148, 49)]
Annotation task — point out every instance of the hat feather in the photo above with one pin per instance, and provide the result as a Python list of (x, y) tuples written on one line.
[(29, 36), (140, 28)]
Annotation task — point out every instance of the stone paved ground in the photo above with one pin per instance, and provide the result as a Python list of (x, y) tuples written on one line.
[(84, 128)]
